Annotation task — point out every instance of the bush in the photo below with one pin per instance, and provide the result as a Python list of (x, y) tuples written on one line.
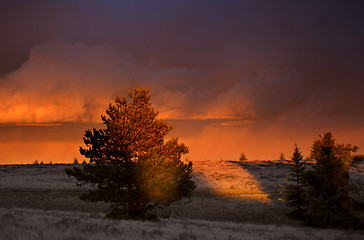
[(282, 158), (75, 161), (131, 166), (242, 157)]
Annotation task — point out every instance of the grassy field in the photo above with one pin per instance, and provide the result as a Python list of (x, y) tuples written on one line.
[(233, 200)]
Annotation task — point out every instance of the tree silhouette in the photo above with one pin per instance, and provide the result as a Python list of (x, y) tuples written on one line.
[(282, 158), (294, 194), (243, 157), (131, 166), (328, 198)]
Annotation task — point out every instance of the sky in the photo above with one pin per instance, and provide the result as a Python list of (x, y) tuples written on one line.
[(231, 76)]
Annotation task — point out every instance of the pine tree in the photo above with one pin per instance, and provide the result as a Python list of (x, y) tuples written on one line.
[(328, 198), (282, 158), (243, 157), (131, 166), (294, 194)]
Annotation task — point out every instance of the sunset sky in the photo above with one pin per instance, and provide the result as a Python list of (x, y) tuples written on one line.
[(232, 76)]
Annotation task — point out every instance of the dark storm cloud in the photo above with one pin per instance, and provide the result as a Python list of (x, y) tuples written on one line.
[(166, 29), (237, 60), (252, 76)]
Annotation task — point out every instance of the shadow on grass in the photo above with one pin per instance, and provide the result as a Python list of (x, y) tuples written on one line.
[(236, 203), (46, 199), (270, 175), (221, 196)]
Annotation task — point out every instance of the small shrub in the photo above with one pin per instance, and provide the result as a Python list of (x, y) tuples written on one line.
[(35, 162), (75, 161), (242, 157), (282, 158)]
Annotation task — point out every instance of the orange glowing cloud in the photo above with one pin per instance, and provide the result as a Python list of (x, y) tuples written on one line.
[(261, 109), (64, 82), (74, 82)]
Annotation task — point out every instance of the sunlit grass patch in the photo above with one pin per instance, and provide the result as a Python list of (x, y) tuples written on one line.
[(228, 179), (237, 201)]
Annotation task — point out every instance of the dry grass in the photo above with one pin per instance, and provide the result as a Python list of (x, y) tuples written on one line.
[(47, 177), (29, 224), (230, 179), (228, 191)]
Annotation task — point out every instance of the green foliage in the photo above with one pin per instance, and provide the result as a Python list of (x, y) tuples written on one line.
[(294, 194), (328, 201), (131, 166), (242, 157)]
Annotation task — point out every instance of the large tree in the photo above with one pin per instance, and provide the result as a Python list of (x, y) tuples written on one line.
[(131, 165), (328, 199)]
